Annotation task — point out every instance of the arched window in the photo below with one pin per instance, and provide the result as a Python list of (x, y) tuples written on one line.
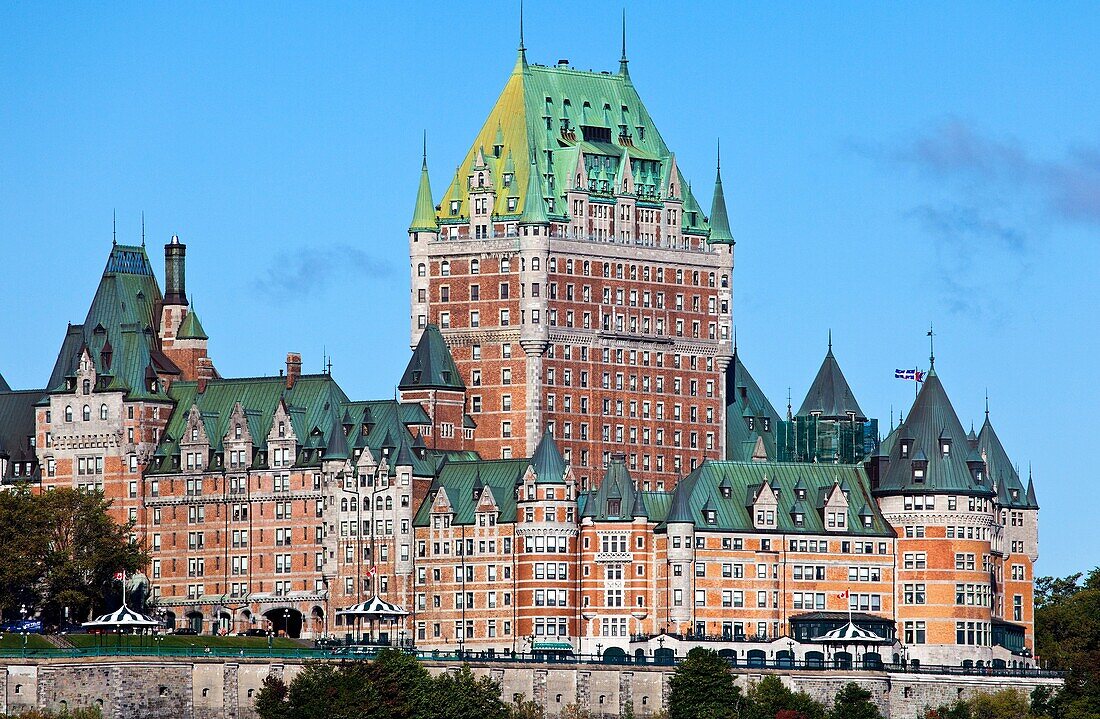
[(378, 503), (354, 504), (69, 413), (87, 386), (237, 432), (445, 268), (421, 270), (475, 267), (103, 411), (87, 414), (534, 264), (343, 504), (389, 502)]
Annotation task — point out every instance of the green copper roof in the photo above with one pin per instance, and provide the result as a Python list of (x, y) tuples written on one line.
[(829, 396), (931, 422), (124, 316), (431, 365), (547, 461), (4, 386), (17, 416), (534, 210), (746, 401), (720, 232), (733, 508), (1010, 489), (423, 219), (558, 112), (191, 328), (458, 479), (337, 446)]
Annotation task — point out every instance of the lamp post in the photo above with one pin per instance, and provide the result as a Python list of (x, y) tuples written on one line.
[(790, 649), (25, 642), (599, 651), (286, 622), (158, 639)]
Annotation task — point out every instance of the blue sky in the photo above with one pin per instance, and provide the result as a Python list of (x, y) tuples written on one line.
[(885, 165)]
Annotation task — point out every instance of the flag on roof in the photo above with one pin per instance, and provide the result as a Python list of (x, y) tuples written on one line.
[(913, 374)]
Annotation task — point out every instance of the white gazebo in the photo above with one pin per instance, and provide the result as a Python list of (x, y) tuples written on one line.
[(123, 620), (854, 636), (376, 612)]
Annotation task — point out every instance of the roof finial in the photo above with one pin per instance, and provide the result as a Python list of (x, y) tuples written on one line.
[(622, 60), (931, 347), (789, 415), (719, 155), (830, 340), (735, 339), (114, 227), (522, 50), (143, 228), (424, 151), (986, 404)]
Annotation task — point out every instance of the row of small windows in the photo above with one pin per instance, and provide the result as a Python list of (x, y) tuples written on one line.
[(85, 413), (618, 271)]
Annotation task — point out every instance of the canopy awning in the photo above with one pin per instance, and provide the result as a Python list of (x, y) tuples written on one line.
[(374, 608), (850, 634), (552, 647), (122, 618)]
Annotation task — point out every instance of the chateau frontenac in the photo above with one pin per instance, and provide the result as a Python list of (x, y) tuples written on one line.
[(577, 459)]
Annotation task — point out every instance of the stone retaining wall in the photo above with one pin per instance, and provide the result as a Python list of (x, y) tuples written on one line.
[(194, 688)]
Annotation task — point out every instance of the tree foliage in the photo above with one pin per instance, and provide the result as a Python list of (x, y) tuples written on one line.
[(702, 688), (854, 702), (393, 686), (61, 549), (769, 698), (1067, 637)]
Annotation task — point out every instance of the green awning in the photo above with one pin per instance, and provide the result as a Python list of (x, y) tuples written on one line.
[(552, 647)]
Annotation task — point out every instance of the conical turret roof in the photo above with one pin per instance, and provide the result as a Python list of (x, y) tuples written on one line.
[(829, 396), (720, 233), (548, 463), (534, 205), (423, 219), (191, 328), (1010, 488), (931, 422), (431, 365), (337, 443)]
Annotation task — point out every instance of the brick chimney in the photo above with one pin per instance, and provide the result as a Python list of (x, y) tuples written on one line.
[(293, 368), (204, 372)]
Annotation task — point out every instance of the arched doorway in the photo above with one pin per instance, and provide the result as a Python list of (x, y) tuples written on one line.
[(639, 656), (842, 660), (664, 656), (757, 658), (317, 621), (614, 655), (815, 659), (998, 663), (169, 620), (244, 621), (784, 659), (872, 660), (224, 623), (194, 622), (285, 622)]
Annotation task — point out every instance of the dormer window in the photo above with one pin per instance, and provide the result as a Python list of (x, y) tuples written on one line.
[(507, 178), (725, 492), (945, 448), (767, 424), (751, 422), (799, 519), (454, 206), (867, 520), (282, 429), (918, 475), (194, 434), (613, 507), (237, 432), (800, 492), (710, 516), (87, 387), (905, 449)]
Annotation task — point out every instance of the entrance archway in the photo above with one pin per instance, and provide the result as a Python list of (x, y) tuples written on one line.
[(285, 622), (194, 621), (872, 660), (639, 656), (784, 658), (170, 620), (842, 660), (614, 655), (815, 659), (317, 621), (757, 658), (664, 656)]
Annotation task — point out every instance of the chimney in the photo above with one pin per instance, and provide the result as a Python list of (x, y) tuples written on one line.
[(293, 368), (204, 372), (175, 284)]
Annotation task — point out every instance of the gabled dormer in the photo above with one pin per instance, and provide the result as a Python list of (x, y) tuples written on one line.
[(237, 443), (442, 509), (834, 509), (195, 443), (282, 441), (765, 507)]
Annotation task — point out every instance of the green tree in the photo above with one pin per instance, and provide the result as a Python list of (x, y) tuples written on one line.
[(1004, 704), (334, 691), (854, 702), (271, 701), (461, 695), (770, 696), (702, 688), (404, 687), (1067, 637), (23, 549), (524, 708)]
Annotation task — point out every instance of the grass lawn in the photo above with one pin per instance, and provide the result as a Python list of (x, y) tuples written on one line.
[(14, 641), (173, 641)]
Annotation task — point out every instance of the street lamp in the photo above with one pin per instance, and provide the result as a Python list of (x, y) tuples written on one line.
[(25, 637), (286, 622), (158, 639)]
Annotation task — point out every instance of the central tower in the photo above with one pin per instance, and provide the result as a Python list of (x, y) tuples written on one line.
[(577, 281)]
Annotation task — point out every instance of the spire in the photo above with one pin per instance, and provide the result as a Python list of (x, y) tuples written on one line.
[(534, 204), (143, 228), (114, 228), (547, 460), (521, 60), (431, 364), (931, 348), (423, 219), (191, 328), (719, 220), (987, 404), (830, 396), (830, 341), (622, 60)]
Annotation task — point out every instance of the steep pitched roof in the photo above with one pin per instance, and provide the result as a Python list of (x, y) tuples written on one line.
[(534, 209), (829, 396), (746, 400), (585, 112), (931, 420), (547, 461), (17, 428), (191, 328), (617, 486), (431, 365), (459, 478), (800, 488), (423, 219), (720, 233), (1010, 489), (123, 313), (4, 386)]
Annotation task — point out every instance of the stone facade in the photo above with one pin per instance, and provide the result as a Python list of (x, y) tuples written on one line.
[(226, 689)]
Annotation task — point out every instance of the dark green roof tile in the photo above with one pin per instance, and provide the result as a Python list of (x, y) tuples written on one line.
[(431, 365)]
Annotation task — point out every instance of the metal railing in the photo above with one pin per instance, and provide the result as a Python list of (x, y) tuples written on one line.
[(368, 651)]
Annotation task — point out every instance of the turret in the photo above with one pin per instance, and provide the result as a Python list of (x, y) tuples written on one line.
[(175, 281)]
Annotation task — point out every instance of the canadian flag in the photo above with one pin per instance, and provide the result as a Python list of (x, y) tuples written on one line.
[(844, 595), (371, 572), (120, 576)]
